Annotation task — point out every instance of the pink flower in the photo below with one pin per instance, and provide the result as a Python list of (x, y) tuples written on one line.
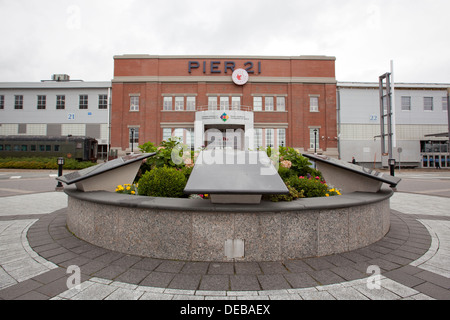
[(286, 164)]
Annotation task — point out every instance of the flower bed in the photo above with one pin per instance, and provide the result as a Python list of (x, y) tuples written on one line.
[(166, 173)]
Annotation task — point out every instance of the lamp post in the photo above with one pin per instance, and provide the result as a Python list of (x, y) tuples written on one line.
[(60, 161), (132, 140), (315, 145), (315, 141)]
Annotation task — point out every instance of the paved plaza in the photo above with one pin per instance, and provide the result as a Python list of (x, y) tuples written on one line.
[(40, 259)]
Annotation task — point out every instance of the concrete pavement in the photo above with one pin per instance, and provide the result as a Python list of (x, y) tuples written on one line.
[(41, 259)]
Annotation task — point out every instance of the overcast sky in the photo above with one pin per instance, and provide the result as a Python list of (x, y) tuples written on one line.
[(80, 37)]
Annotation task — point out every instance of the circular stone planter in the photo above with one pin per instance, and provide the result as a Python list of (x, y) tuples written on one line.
[(196, 230)]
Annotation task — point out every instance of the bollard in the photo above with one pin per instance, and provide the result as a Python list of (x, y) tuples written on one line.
[(59, 186)]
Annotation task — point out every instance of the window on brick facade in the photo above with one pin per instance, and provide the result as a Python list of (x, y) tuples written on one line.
[(270, 138), (269, 104), (190, 103), (314, 104), (167, 133), (212, 103), (134, 103), (179, 103), (281, 103), (258, 138), (167, 103), (235, 103), (224, 103), (257, 103), (314, 137), (281, 137), (444, 104)]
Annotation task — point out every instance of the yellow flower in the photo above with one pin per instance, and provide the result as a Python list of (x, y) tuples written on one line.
[(132, 192), (327, 195), (128, 188)]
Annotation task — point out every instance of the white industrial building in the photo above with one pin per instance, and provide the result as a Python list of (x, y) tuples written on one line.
[(62, 107), (420, 124), (56, 107)]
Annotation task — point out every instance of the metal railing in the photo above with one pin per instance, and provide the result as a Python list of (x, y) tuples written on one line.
[(222, 108)]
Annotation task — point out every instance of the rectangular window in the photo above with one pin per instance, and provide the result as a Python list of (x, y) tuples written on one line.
[(18, 102), (167, 103), (103, 101), (1, 147), (190, 138), (60, 103), (178, 133), (406, 103), (224, 103), (7, 147), (257, 103), (179, 103), (428, 103), (281, 103), (24, 147), (2, 102), (167, 133), (83, 101), (314, 134), (212, 103), (33, 147), (41, 102), (269, 138), (134, 103), (281, 137), (314, 104), (444, 104), (269, 104), (56, 148), (134, 138), (235, 103), (258, 138), (190, 103)]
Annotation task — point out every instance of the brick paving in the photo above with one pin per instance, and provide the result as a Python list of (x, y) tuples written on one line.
[(36, 251)]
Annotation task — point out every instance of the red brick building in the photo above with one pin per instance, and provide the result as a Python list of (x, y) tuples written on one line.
[(250, 100)]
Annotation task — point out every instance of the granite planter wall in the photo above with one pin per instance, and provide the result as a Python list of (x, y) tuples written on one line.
[(196, 230)]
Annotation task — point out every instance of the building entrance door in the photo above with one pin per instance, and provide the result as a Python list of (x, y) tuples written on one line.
[(225, 137)]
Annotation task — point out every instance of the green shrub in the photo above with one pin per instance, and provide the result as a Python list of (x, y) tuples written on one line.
[(162, 182), (311, 186), (293, 195), (42, 163)]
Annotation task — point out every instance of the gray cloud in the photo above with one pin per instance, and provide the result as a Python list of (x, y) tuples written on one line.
[(81, 37)]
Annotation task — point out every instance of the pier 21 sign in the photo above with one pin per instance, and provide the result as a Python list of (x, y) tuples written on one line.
[(217, 67)]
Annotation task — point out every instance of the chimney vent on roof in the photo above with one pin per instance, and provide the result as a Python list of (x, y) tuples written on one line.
[(60, 77)]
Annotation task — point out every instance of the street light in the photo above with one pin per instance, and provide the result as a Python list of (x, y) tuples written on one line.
[(315, 141), (60, 162), (315, 145), (132, 140)]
